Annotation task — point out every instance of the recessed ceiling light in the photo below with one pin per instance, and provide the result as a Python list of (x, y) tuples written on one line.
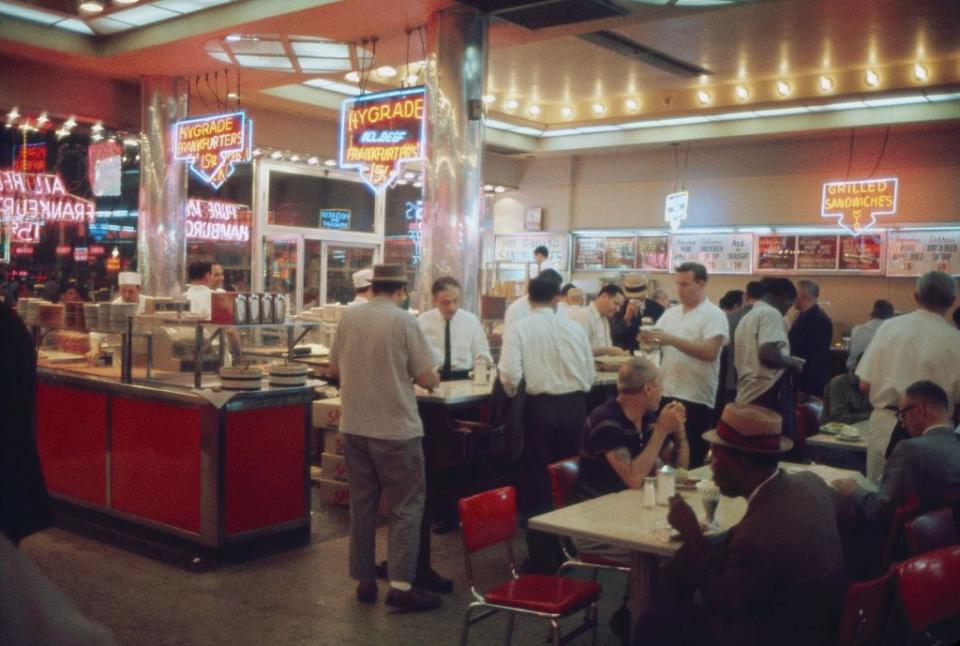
[(742, 93), (233, 95), (313, 161), (920, 72), (533, 110), (871, 78), (386, 72), (498, 189), (412, 79), (512, 104), (276, 154), (566, 111), (125, 2), (488, 188), (69, 124), (632, 105), (90, 6), (409, 175), (703, 97), (294, 158), (783, 88), (42, 119), (330, 162), (97, 127), (418, 184), (13, 114), (598, 108), (353, 77), (489, 98), (257, 152), (825, 83)]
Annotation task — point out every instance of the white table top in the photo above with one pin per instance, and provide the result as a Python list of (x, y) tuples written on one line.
[(464, 391), (833, 441)]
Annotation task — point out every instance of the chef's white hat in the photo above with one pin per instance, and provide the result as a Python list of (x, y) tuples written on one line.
[(129, 278)]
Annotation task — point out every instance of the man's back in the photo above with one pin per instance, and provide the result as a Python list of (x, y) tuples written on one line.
[(550, 352), (810, 339)]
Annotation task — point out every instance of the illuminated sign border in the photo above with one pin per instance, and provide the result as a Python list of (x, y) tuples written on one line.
[(229, 157), (398, 166), (824, 213)]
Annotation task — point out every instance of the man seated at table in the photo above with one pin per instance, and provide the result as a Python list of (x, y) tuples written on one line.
[(595, 320), (455, 336), (778, 577), (843, 402)]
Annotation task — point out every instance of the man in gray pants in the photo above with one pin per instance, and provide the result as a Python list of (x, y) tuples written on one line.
[(378, 353)]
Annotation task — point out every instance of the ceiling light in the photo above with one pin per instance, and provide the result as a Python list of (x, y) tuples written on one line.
[(386, 72), (742, 92), (703, 97), (825, 83), (498, 189), (353, 77), (42, 119), (418, 184), (598, 108), (96, 137), (97, 127), (871, 78), (124, 2), (401, 182), (90, 6), (233, 95), (313, 161), (330, 162), (70, 123), (920, 72), (409, 175), (257, 152), (489, 98), (276, 154), (512, 104), (130, 141), (412, 79), (783, 88), (533, 110), (13, 114), (566, 111), (488, 188), (294, 158), (632, 105)]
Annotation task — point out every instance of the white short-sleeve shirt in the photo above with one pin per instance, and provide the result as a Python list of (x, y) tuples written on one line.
[(761, 325), (686, 377), (594, 324)]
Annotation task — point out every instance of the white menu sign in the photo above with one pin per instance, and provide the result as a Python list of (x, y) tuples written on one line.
[(725, 253), (912, 253), (519, 248)]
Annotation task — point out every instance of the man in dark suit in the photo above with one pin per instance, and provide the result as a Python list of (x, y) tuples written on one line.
[(778, 576), (927, 465), (810, 338)]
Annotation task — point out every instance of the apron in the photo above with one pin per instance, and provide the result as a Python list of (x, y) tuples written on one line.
[(882, 423)]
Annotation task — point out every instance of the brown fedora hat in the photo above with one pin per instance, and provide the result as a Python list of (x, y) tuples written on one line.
[(388, 274), (749, 428)]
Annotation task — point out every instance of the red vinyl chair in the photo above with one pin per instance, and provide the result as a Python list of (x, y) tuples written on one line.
[(490, 518), (929, 586), (892, 546), (563, 481), (931, 531), (866, 611)]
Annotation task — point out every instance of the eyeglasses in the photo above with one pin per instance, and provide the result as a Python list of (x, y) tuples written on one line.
[(902, 412)]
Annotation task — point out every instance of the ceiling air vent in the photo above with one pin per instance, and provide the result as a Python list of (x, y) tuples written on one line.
[(546, 13), (639, 52)]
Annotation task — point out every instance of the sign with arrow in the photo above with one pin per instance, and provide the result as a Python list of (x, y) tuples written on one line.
[(212, 145)]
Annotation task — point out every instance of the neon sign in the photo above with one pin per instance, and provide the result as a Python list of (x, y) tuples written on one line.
[(856, 204), (31, 158), (335, 219), (39, 197), (212, 145), (217, 221), (381, 132)]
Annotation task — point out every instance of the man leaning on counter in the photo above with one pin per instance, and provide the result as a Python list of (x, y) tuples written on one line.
[(455, 335)]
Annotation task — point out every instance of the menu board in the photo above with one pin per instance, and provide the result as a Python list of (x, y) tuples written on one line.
[(519, 248), (816, 253), (912, 253), (862, 253), (727, 253), (588, 253), (619, 252), (653, 253), (776, 253)]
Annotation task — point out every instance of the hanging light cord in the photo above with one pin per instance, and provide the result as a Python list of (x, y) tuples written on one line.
[(883, 149)]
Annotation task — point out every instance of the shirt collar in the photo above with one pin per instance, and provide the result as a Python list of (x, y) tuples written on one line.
[(945, 426), (542, 310), (762, 485)]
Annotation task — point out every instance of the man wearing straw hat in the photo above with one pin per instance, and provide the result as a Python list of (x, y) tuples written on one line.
[(778, 576), (129, 284)]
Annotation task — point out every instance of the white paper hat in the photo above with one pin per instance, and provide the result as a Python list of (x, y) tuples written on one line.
[(362, 278), (129, 278)]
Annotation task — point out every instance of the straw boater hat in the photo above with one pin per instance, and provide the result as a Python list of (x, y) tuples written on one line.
[(128, 278), (749, 428), (361, 279), (634, 284), (388, 274)]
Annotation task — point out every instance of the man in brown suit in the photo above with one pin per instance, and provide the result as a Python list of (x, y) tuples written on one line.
[(778, 577)]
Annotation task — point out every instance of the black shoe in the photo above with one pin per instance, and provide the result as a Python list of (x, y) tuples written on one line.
[(382, 570), (445, 526), (412, 600), (620, 625), (367, 591), (433, 582)]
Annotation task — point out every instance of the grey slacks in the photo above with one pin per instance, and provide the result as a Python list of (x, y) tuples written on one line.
[(395, 469)]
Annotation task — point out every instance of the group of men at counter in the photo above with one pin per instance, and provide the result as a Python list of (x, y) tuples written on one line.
[(660, 414)]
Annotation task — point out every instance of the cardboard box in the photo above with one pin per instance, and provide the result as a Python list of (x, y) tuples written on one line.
[(326, 413), (334, 492), (333, 466), (332, 442)]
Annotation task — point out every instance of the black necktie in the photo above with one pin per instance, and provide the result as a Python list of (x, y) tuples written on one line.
[(445, 372)]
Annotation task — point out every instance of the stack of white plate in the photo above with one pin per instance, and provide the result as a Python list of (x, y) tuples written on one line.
[(103, 316), (91, 316), (119, 313), (29, 309), (239, 378), (287, 375)]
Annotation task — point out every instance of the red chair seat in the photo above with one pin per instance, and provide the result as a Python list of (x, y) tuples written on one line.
[(591, 559), (541, 593)]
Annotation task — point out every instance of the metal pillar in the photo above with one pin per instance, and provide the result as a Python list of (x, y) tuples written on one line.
[(453, 177), (161, 241)]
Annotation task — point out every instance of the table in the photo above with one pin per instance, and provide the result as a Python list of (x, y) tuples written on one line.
[(829, 441)]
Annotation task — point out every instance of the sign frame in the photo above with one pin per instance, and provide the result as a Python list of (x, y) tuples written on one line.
[(227, 157), (826, 212)]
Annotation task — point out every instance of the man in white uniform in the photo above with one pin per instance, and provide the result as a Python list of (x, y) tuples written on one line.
[(520, 308), (455, 336), (595, 320), (129, 286), (917, 346), (691, 335), (198, 293), (361, 283)]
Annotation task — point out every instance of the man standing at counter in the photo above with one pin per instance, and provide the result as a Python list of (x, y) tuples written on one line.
[(552, 354), (198, 293), (129, 285), (361, 283), (691, 334), (378, 352), (455, 335), (595, 320), (520, 308), (810, 338)]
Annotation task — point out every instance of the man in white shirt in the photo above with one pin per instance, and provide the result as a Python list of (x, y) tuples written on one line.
[(691, 335), (361, 283), (455, 336), (571, 300), (520, 308), (128, 283), (198, 292), (863, 334), (595, 320), (917, 346), (552, 355)]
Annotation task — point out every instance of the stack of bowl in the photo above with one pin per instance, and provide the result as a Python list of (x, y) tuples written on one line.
[(292, 375), (240, 378), (119, 313), (91, 316)]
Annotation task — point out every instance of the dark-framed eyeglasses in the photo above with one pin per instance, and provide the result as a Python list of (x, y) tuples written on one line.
[(902, 412)]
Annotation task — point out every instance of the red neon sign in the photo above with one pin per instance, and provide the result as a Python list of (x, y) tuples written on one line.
[(31, 158), (23, 231), (212, 145), (38, 197), (216, 221), (380, 132)]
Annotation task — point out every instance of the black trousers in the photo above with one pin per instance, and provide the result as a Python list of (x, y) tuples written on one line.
[(700, 419), (553, 429)]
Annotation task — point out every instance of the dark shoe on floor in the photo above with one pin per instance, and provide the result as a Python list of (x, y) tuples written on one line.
[(382, 570), (445, 526), (433, 582), (367, 591), (620, 625), (412, 600)]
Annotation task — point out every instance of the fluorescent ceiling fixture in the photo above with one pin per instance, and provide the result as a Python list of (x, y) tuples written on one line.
[(780, 112), (591, 129), (324, 64), (562, 132), (144, 15), (938, 98), (682, 121), (189, 6), (264, 62), (895, 100), (636, 125), (843, 105), (334, 86), (221, 56), (265, 47), (499, 125), (321, 49), (28, 13), (107, 25), (524, 130), (75, 25), (733, 116)]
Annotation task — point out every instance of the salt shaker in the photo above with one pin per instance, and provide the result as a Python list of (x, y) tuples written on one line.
[(649, 492), (666, 484)]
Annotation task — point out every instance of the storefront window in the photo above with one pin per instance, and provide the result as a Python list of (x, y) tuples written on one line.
[(319, 203), (403, 221), (279, 265), (342, 262)]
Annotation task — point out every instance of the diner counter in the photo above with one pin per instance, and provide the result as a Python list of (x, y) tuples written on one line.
[(464, 391)]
